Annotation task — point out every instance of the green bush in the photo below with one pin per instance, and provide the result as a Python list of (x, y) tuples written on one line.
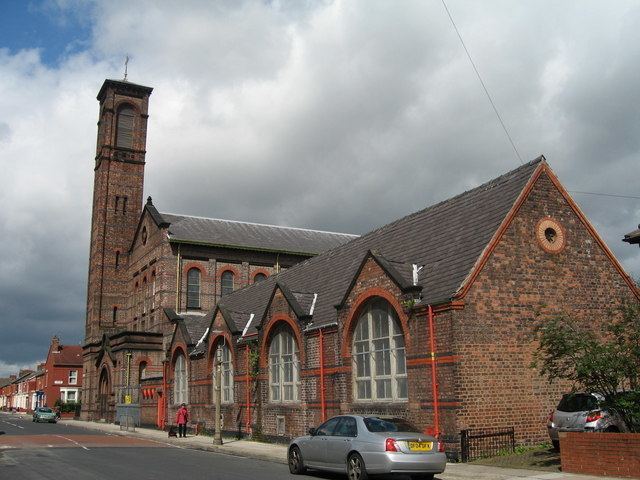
[(605, 361)]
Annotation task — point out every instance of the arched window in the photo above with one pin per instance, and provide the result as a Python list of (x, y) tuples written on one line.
[(283, 368), (124, 131), (226, 283), (379, 364), (142, 371), (259, 277), (180, 385), (193, 288), (227, 373)]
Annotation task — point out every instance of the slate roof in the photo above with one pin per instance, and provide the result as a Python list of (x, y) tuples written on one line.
[(69, 355), (632, 237), (195, 326), (447, 238), (253, 236), (5, 381)]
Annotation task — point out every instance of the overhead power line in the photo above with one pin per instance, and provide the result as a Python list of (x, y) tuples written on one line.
[(605, 194), (504, 127)]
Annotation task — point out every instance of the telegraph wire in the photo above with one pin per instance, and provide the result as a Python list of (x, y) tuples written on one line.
[(486, 91), (605, 194)]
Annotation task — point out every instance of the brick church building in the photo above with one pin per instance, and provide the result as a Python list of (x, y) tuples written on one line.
[(429, 318)]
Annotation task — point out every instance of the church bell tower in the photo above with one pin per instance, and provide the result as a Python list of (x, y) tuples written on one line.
[(117, 201)]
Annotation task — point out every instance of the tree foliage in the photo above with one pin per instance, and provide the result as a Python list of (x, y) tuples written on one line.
[(604, 360)]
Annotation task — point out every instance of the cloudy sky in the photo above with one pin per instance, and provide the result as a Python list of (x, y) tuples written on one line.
[(338, 115)]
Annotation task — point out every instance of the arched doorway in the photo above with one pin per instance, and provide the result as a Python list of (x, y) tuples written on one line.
[(104, 389)]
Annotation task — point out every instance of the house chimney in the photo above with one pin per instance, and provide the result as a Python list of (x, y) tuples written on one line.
[(55, 344), (12, 377)]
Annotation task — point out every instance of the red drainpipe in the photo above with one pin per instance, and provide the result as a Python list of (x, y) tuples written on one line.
[(162, 414), (248, 396), (322, 404), (434, 374)]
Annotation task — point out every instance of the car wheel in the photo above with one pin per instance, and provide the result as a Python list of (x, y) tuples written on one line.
[(296, 465), (422, 476), (355, 468), (556, 445)]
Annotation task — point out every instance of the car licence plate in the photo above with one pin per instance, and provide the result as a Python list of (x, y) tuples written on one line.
[(420, 446)]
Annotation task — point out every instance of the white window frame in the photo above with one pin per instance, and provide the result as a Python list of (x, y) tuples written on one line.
[(226, 383), (64, 394), (367, 351), (180, 380), (284, 363), (73, 379)]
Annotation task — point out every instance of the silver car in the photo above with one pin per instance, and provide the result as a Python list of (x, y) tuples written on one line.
[(363, 445), (581, 412)]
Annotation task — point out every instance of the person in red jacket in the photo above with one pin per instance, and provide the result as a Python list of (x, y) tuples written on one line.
[(182, 417)]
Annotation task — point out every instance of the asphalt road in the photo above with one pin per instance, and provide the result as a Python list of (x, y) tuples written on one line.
[(53, 451), (31, 451)]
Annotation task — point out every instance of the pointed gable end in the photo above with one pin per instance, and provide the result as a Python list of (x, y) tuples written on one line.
[(543, 171)]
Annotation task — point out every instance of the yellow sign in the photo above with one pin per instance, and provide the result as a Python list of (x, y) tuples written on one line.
[(420, 446), (127, 399)]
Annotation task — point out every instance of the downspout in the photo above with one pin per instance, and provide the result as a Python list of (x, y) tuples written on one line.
[(161, 414), (178, 280), (434, 381), (248, 395), (322, 401)]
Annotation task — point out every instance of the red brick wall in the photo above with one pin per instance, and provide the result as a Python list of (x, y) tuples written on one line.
[(610, 454), (522, 284)]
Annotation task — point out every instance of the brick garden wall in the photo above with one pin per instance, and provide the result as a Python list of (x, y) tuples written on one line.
[(607, 454)]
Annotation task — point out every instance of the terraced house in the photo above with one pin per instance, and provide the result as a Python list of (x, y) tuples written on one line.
[(429, 318)]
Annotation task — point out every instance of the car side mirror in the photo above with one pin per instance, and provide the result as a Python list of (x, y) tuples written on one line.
[(312, 431)]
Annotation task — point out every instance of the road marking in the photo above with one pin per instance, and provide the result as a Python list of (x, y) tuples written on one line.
[(73, 441), (13, 424), (164, 443)]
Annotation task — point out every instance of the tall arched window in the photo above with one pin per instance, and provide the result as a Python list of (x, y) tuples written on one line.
[(193, 288), (124, 130), (379, 364), (226, 283), (283, 368), (180, 384), (227, 373)]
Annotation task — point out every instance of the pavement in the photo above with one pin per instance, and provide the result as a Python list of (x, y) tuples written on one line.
[(278, 453)]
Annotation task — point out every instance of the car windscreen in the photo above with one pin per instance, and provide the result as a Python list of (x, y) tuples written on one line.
[(375, 424), (45, 410), (577, 402)]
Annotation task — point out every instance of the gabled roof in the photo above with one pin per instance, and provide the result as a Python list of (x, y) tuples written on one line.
[(193, 327), (70, 355), (447, 238), (251, 236)]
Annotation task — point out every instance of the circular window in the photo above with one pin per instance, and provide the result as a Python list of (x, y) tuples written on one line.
[(144, 235), (550, 235)]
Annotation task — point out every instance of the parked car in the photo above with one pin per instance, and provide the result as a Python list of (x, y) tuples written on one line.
[(361, 445), (44, 414), (581, 412)]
